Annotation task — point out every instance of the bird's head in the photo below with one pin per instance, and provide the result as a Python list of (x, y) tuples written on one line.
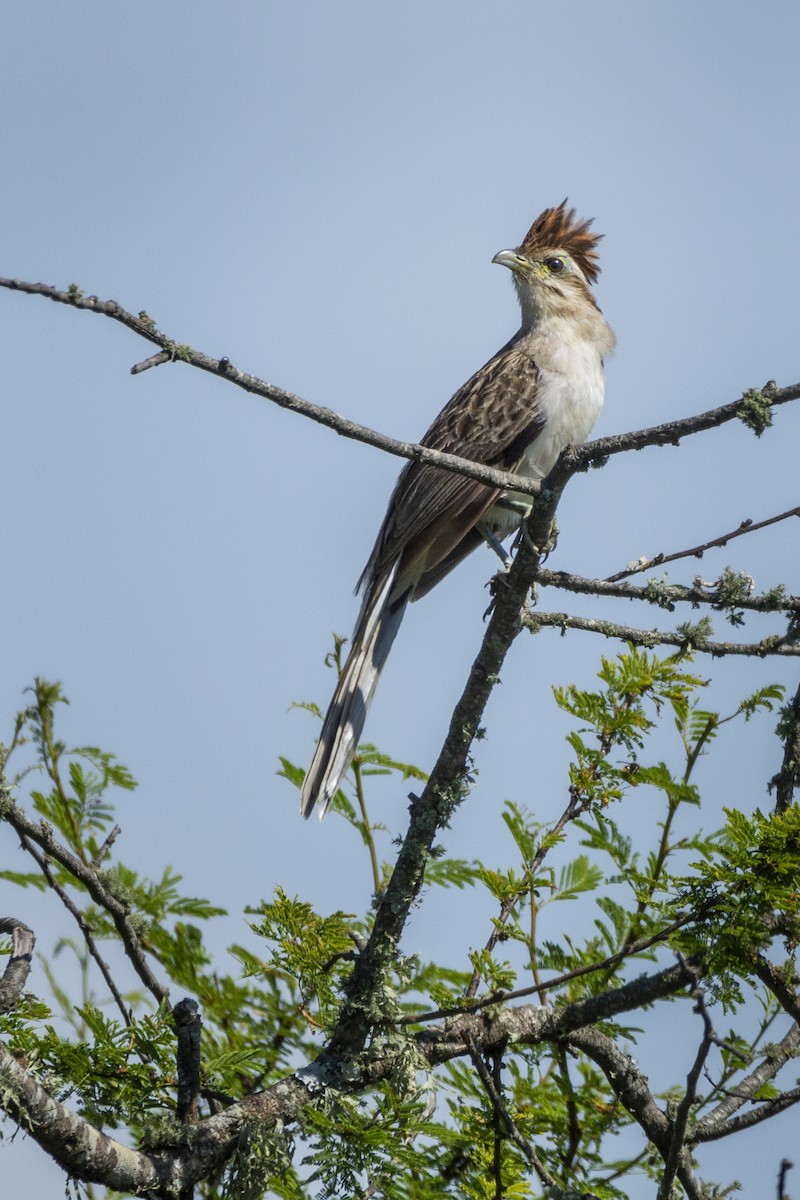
[(554, 265)]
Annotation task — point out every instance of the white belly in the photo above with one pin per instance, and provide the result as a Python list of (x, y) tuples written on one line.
[(570, 401)]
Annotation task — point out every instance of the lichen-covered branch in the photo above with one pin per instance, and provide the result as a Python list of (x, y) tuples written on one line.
[(781, 647), (668, 595), (447, 786), (718, 1123), (90, 1155), (630, 1086)]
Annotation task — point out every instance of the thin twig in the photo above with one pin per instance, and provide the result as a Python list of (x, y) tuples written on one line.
[(503, 997), (720, 1122), (746, 526), (106, 846), (82, 923), (681, 1120), (506, 1120), (41, 834)]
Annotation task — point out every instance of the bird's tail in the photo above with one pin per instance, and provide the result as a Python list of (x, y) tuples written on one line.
[(375, 631)]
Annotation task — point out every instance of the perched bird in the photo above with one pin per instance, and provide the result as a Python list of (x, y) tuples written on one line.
[(541, 392)]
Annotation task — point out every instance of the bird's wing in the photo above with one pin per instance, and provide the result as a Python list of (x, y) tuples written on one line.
[(492, 419)]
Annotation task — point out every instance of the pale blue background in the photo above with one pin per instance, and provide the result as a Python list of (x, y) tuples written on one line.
[(316, 190)]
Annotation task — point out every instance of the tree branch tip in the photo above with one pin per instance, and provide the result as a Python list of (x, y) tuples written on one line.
[(155, 360)]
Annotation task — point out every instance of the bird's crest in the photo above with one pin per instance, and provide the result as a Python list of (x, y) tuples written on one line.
[(557, 229)]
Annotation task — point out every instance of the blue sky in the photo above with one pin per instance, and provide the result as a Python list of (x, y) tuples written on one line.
[(316, 190)]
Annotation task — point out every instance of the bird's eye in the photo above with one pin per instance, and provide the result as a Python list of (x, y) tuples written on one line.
[(554, 265)]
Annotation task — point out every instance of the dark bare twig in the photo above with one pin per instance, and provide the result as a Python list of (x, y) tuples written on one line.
[(504, 1118), (573, 1123), (558, 981), (786, 1166), (768, 647), (186, 1015), (747, 526), (788, 777), (681, 1120), (18, 966), (106, 846)]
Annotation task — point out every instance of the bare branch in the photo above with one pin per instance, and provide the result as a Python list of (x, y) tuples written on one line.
[(106, 846), (649, 638), (533, 1024), (172, 351), (447, 785), (143, 325), (18, 966), (747, 526), (766, 1110)]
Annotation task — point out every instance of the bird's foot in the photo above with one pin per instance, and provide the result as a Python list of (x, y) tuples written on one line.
[(543, 551)]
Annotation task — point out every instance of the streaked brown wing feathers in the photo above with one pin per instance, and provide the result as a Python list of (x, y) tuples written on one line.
[(491, 419)]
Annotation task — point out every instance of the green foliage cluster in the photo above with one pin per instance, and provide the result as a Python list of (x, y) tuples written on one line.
[(549, 1117)]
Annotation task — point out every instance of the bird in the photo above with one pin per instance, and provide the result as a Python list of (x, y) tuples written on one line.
[(540, 393)]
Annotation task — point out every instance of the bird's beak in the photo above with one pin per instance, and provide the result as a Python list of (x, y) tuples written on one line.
[(512, 260)]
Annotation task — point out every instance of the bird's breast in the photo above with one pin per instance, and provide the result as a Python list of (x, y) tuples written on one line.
[(569, 397)]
